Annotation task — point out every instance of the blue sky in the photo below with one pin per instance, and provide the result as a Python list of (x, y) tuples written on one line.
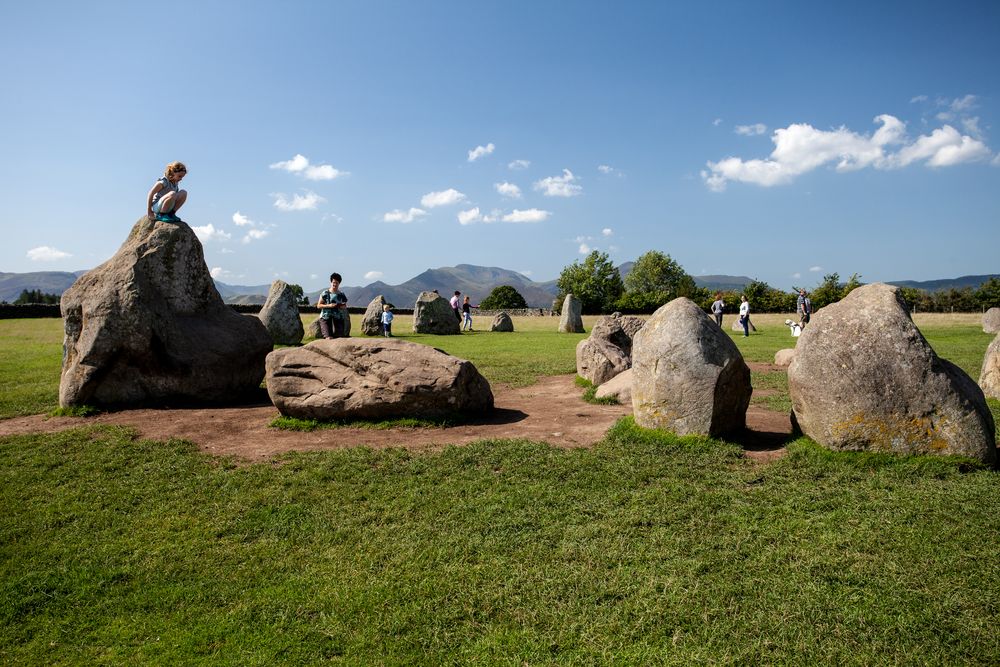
[(776, 140)]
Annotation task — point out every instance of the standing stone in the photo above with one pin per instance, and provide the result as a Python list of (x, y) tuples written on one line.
[(688, 376), (314, 330), (371, 325), (373, 378), (502, 322), (280, 314), (864, 378), (991, 321), (432, 314), (148, 327), (989, 377), (608, 350), (571, 320)]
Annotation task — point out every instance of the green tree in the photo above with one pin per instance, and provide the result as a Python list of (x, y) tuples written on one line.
[(826, 292), (852, 284), (988, 294), (595, 282), (503, 297), (299, 293), (35, 296)]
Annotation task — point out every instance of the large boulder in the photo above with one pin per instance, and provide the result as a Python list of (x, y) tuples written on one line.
[(280, 314), (688, 376), (608, 350), (149, 327), (432, 314), (371, 324), (989, 377), (864, 378), (571, 319), (373, 378), (991, 321), (619, 387), (502, 322)]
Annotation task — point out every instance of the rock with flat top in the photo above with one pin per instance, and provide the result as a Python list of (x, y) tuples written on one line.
[(373, 378)]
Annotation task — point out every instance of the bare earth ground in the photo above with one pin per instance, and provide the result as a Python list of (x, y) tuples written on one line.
[(550, 410)]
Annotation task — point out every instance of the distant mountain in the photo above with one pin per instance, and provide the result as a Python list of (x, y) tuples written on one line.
[(476, 282), (228, 292), (946, 283), (48, 282)]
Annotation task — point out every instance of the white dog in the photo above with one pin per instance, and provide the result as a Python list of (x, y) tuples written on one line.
[(794, 326)]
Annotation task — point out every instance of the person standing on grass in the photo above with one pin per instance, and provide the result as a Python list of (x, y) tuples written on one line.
[(717, 307), (467, 312), (387, 321), (804, 308), (165, 197), (745, 315), (332, 304)]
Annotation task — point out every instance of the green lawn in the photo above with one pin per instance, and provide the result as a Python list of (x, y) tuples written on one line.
[(646, 549)]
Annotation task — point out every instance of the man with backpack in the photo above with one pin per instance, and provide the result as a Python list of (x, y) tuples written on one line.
[(803, 307)]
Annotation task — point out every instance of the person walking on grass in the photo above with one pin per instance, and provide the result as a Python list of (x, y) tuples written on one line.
[(745, 315), (717, 307), (165, 198), (332, 304), (467, 312)]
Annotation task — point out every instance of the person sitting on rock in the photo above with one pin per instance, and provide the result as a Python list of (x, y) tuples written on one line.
[(332, 304), (165, 197), (387, 321)]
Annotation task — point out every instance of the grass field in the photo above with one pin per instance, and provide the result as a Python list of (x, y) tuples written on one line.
[(647, 548)]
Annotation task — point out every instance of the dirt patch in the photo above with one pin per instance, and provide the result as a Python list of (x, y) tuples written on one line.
[(550, 410)]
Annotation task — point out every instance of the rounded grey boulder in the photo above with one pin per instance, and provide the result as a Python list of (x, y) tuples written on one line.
[(148, 326), (688, 376), (432, 314), (991, 321), (864, 378), (989, 377), (373, 378), (280, 314), (502, 322)]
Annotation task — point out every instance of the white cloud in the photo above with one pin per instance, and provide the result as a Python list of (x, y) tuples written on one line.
[(963, 103), (559, 186), (607, 231), (517, 165), (751, 130), (971, 126), (218, 272), (493, 216), (529, 215), (918, 98), (373, 275), (815, 269), (480, 151), (584, 249), (227, 251), (255, 235), (241, 220), (307, 202), (717, 122), (996, 160), (404, 217), (470, 216), (801, 148), (443, 198), (508, 190), (605, 169), (46, 254), (210, 233), (796, 275), (525, 272), (300, 165)]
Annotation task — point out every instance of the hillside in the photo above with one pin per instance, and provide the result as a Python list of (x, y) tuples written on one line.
[(48, 282)]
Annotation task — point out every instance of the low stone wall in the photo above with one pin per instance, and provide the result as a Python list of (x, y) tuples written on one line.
[(515, 312)]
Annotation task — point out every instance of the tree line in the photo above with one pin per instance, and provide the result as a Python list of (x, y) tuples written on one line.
[(656, 278)]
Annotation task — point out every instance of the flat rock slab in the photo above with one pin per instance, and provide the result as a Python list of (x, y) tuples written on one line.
[(373, 379)]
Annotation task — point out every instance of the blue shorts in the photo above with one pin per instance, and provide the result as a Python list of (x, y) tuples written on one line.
[(156, 206)]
